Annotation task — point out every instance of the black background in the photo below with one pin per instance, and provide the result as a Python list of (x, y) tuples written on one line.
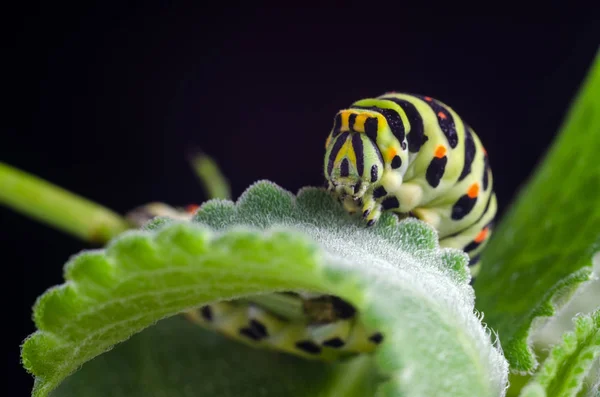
[(106, 102)]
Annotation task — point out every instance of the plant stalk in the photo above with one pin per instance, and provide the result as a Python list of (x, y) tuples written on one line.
[(57, 207), (213, 181)]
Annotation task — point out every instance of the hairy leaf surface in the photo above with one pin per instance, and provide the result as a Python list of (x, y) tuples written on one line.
[(417, 294), (564, 371)]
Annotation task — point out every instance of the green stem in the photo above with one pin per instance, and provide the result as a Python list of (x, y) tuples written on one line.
[(58, 208), (214, 182)]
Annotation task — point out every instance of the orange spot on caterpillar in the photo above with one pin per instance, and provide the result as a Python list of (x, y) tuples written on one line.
[(442, 116), (440, 151), (473, 190), (428, 99), (482, 235), (391, 153), (484, 151), (190, 209)]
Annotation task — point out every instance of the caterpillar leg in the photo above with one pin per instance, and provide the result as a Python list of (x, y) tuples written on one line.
[(375, 202), (350, 205), (400, 199), (371, 211), (428, 215), (409, 195)]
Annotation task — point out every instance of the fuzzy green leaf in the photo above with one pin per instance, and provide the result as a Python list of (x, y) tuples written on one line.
[(543, 248), (564, 371), (270, 240), (179, 359)]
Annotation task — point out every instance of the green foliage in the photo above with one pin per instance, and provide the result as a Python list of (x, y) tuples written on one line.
[(126, 296), (563, 372), (270, 240), (543, 248)]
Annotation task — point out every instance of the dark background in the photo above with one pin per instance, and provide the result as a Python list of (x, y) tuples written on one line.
[(106, 102)]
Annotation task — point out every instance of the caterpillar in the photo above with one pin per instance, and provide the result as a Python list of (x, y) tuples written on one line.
[(414, 156), (408, 154)]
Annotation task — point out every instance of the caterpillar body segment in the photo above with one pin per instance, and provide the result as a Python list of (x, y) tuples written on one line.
[(256, 326), (413, 155)]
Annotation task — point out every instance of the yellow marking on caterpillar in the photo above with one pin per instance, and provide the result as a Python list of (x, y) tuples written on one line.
[(359, 124), (347, 151), (360, 120), (345, 121), (328, 141)]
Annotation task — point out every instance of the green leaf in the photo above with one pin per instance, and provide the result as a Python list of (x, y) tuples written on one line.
[(543, 248), (563, 372), (586, 300), (177, 358), (395, 274)]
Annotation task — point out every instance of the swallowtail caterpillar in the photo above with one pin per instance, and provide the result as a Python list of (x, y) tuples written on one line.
[(413, 155), (409, 154)]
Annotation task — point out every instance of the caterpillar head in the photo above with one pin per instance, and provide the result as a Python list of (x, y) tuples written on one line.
[(353, 163)]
